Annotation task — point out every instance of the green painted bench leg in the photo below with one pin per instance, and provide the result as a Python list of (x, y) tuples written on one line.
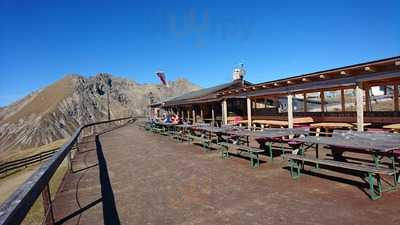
[(224, 152), (270, 151), (294, 169), (372, 191), (255, 161), (282, 151), (396, 176)]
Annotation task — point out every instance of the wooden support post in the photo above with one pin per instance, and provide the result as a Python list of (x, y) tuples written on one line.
[(396, 97), (249, 113), (359, 108), (194, 116), (225, 112), (322, 97), (201, 115), (343, 100), (188, 115), (48, 208), (305, 102), (367, 99), (290, 110), (213, 116)]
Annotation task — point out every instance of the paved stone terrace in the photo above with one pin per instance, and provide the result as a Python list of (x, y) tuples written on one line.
[(150, 179)]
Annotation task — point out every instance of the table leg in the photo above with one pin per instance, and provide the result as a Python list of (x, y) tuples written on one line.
[(270, 151), (317, 156), (376, 159)]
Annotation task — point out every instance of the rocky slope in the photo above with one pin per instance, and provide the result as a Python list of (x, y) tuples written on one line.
[(57, 110)]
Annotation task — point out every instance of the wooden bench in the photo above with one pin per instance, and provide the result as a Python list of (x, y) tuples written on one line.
[(296, 163), (253, 153), (178, 135), (159, 130), (206, 143), (268, 143)]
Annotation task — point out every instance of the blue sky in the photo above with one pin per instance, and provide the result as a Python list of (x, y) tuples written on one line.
[(41, 41)]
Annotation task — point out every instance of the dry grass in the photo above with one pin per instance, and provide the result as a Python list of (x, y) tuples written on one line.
[(36, 214), (11, 183), (18, 154), (46, 100)]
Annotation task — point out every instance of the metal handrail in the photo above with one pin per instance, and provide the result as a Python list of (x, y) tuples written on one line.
[(17, 206)]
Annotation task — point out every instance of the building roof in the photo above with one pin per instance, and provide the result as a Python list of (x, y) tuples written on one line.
[(343, 76), (205, 94)]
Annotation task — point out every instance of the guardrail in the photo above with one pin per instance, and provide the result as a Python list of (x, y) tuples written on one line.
[(25, 162), (16, 207)]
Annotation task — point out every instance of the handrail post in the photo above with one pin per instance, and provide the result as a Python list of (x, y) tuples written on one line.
[(48, 207)]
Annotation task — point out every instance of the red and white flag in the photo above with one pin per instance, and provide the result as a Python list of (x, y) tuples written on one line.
[(161, 76)]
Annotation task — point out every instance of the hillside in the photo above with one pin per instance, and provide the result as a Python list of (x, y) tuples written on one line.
[(56, 111)]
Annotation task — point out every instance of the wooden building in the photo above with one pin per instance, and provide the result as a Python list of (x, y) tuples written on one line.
[(363, 94), (205, 105)]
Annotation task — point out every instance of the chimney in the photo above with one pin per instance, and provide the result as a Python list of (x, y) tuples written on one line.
[(239, 72)]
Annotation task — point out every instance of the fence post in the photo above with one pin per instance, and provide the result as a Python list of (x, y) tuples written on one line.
[(48, 208)]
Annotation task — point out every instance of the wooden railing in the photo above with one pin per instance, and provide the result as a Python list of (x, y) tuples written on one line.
[(6, 167), (15, 208)]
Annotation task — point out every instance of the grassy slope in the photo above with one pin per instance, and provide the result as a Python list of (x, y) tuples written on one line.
[(46, 100), (10, 183)]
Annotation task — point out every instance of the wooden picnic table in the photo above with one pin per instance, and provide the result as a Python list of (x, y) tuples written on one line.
[(377, 144), (279, 123), (393, 127), (282, 123), (364, 124), (331, 125), (269, 135), (328, 127)]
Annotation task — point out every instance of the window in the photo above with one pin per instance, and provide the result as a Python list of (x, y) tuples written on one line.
[(313, 102), (298, 103), (282, 104), (260, 104), (332, 101), (350, 100), (381, 98)]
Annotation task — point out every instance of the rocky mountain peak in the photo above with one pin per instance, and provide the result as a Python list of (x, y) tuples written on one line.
[(56, 111)]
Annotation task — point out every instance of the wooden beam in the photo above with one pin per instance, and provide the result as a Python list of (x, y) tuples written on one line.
[(194, 116), (249, 113), (322, 97), (359, 108), (304, 79), (369, 69), (344, 72), (289, 82), (276, 84), (322, 76), (305, 102), (367, 98), (343, 100), (397, 63), (213, 116), (264, 86), (396, 97), (290, 110), (225, 112)]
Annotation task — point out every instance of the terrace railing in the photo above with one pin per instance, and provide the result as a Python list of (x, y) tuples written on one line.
[(16, 207)]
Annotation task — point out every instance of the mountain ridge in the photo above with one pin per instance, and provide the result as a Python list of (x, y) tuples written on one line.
[(54, 112)]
